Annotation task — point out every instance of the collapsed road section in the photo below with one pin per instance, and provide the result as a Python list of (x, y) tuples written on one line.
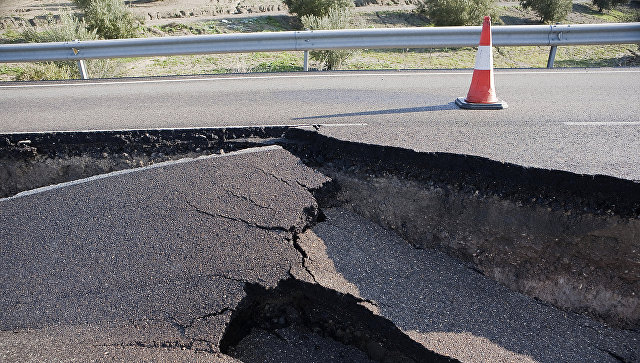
[(325, 249)]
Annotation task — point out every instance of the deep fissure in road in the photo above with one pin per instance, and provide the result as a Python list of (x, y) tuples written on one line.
[(314, 314), (568, 240)]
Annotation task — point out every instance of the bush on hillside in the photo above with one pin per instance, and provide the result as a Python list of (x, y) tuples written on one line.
[(550, 11), (608, 4), (336, 18), (111, 19), (68, 28), (456, 12), (317, 8)]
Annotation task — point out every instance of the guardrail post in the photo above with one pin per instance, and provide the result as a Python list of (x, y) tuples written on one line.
[(552, 56), (82, 67), (306, 61)]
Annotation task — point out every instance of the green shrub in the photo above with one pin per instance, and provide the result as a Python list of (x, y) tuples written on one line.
[(608, 4), (111, 19), (456, 12), (550, 11), (82, 4), (336, 18), (47, 71), (68, 28), (317, 8)]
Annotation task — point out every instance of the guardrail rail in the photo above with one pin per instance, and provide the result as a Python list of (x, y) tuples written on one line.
[(425, 37)]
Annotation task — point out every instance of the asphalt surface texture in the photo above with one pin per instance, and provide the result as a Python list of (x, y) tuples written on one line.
[(580, 120)]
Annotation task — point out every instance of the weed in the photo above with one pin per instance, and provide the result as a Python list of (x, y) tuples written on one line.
[(10, 72), (317, 8), (68, 28), (208, 27), (10, 36), (280, 65), (47, 70)]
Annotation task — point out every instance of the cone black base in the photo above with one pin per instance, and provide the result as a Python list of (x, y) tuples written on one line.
[(460, 101)]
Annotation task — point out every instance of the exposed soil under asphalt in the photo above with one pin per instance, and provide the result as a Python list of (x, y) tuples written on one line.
[(571, 241)]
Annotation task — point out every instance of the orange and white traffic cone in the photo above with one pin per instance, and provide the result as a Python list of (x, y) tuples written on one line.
[(482, 95)]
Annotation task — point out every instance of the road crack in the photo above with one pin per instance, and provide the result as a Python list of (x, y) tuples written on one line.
[(614, 355), (241, 220), (285, 181), (249, 199), (304, 255)]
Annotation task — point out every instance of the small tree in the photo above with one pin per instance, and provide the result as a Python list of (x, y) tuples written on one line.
[(317, 8), (456, 12), (336, 18), (550, 11), (608, 4)]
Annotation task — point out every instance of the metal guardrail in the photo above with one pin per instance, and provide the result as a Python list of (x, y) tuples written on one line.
[(427, 37)]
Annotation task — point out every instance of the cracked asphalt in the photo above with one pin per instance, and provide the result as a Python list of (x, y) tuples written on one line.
[(151, 264)]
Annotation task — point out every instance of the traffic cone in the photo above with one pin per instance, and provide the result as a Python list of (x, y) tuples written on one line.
[(482, 95)]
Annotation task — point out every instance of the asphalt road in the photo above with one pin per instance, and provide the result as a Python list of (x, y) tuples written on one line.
[(161, 257), (585, 121)]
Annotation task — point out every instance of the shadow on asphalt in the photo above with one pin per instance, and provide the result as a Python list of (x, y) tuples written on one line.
[(448, 106), (301, 314)]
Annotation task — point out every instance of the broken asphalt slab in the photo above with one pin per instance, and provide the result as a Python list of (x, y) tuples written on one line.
[(156, 257), (172, 262)]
